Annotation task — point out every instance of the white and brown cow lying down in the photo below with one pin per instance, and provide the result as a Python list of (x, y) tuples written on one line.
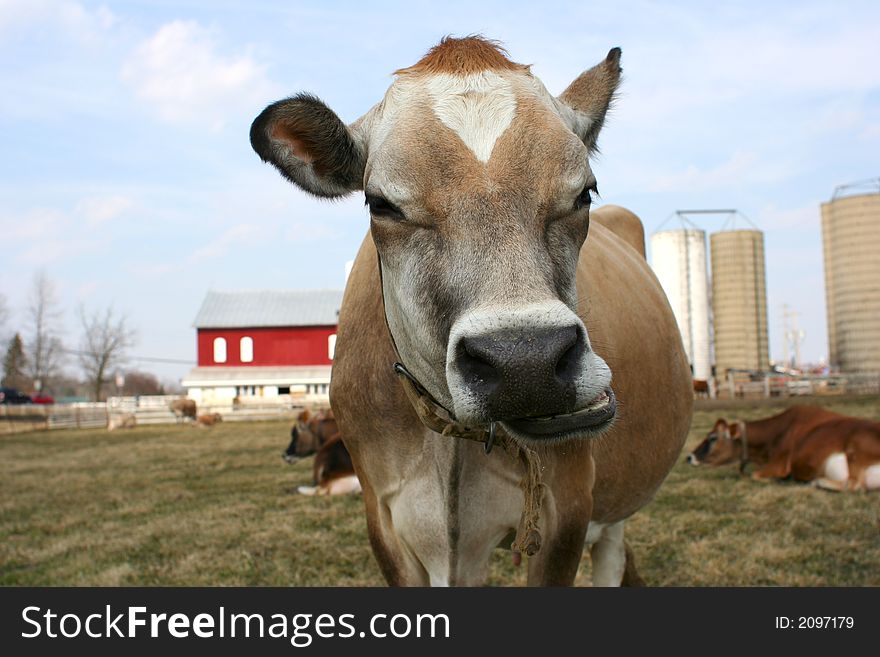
[(804, 443), (311, 430), (332, 471), (208, 419), (478, 313), (316, 432)]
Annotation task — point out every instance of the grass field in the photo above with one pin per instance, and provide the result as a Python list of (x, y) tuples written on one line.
[(175, 505)]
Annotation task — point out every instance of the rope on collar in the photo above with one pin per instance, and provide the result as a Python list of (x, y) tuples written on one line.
[(434, 416), (744, 455)]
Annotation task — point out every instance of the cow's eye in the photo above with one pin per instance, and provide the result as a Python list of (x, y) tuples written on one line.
[(380, 207), (585, 198)]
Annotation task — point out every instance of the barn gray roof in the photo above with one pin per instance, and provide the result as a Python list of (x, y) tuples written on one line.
[(247, 309)]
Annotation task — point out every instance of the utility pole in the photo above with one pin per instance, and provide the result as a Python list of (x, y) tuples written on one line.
[(793, 337)]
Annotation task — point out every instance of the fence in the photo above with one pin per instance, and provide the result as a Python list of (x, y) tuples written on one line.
[(146, 409), (742, 384), (35, 417)]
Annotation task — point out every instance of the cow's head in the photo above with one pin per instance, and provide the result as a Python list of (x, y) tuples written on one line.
[(479, 186), (722, 445)]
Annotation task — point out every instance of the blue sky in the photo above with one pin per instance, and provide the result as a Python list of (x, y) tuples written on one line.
[(127, 176)]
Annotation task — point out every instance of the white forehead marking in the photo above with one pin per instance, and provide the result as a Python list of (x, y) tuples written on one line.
[(477, 107)]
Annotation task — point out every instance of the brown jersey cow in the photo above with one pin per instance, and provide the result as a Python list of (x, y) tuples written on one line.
[(477, 312), (806, 443)]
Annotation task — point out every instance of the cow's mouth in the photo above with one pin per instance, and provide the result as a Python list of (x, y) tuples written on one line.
[(585, 423)]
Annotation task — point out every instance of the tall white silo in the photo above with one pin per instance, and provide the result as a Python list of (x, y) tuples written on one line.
[(851, 241), (678, 258)]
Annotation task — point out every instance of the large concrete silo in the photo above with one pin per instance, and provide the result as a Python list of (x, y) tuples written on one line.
[(739, 301), (851, 245), (678, 258)]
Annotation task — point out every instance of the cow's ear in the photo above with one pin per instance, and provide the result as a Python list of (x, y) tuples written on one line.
[(589, 97), (310, 146)]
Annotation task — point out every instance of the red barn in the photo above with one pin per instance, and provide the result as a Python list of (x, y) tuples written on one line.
[(264, 346)]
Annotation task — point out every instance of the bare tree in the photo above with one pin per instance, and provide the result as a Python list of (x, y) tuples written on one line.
[(45, 347), (105, 340)]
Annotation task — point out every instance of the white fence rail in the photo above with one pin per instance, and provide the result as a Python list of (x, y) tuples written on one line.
[(146, 409), (36, 417), (767, 384)]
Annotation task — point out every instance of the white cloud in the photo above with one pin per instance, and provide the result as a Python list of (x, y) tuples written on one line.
[(241, 233), (41, 236), (71, 18), (741, 168), (310, 232), (180, 72), (804, 217), (96, 210)]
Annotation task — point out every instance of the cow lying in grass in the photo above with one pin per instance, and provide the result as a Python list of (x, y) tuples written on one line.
[(208, 419), (804, 443), (332, 472), (311, 431), (124, 421)]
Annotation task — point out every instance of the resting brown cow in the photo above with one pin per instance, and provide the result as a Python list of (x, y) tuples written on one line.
[(209, 419), (333, 471), (310, 432), (806, 443), (124, 421)]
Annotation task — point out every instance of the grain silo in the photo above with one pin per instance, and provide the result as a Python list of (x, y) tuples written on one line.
[(851, 244), (739, 301), (678, 258)]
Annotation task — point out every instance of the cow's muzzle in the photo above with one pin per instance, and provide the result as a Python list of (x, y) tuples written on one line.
[(533, 371), (518, 373)]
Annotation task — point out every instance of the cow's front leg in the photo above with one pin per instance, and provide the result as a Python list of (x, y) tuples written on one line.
[(397, 564), (556, 563), (607, 553), (565, 515)]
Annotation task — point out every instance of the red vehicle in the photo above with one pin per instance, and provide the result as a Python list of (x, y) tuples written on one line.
[(42, 399)]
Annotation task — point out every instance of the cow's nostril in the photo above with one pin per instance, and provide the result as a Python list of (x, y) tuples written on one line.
[(475, 364), (569, 363)]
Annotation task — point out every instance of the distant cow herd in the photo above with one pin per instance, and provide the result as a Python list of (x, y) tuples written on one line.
[(184, 410), (804, 443)]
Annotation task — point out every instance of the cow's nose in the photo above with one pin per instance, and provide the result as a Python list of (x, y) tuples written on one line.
[(522, 373)]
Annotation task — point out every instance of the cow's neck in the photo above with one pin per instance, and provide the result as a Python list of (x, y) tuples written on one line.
[(764, 435)]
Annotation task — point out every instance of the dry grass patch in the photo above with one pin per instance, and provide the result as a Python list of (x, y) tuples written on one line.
[(172, 505)]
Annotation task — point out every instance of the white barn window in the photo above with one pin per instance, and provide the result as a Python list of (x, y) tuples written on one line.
[(246, 348), (331, 346), (219, 350)]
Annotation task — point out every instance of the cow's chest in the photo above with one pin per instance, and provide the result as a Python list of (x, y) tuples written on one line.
[(453, 507)]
